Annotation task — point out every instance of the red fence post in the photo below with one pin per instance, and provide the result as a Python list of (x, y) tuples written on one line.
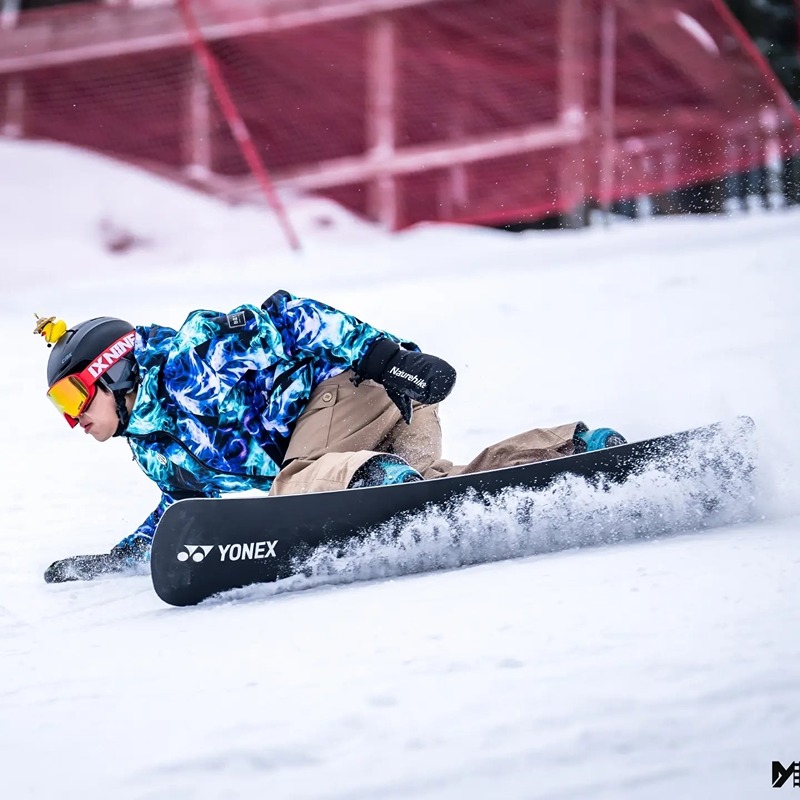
[(572, 191), (608, 101), (380, 122), (234, 119)]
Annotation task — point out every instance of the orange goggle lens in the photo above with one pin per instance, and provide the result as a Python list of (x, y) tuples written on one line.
[(71, 396)]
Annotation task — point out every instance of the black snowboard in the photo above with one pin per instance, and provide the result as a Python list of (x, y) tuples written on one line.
[(206, 546)]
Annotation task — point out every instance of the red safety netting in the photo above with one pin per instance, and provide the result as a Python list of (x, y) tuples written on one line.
[(407, 110)]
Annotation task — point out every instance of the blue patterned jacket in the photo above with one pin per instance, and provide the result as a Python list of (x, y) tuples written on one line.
[(218, 399)]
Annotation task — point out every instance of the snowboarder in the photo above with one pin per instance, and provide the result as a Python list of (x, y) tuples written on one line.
[(293, 396)]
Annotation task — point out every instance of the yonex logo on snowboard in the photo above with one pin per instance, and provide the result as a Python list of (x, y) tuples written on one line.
[(248, 551), (197, 552)]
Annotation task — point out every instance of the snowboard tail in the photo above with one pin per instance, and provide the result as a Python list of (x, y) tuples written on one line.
[(205, 546)]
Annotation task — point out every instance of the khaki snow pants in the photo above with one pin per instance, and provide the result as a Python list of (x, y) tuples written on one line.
[(345, 425)]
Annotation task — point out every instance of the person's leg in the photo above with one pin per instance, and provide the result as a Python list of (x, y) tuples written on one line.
[(420, 443), (328, 473), (343, 427), (539, 444)]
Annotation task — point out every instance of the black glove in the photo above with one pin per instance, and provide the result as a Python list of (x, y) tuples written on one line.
[(406, 375), (132, 549)]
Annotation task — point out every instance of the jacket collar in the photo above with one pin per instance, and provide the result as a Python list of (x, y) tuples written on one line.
[(149, 414)]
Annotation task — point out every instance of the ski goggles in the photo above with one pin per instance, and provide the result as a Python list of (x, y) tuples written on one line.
[(73, 394)]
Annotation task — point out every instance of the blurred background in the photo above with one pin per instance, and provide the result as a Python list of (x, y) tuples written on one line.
[(509, 113)]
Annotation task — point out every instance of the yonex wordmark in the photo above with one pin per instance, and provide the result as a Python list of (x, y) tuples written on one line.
[(248, 551)]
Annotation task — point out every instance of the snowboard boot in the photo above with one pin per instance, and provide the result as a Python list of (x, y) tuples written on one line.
[(383, 470), (586, 440)]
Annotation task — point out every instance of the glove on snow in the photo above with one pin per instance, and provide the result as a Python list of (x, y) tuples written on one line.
[(406, 375), (133, 548)]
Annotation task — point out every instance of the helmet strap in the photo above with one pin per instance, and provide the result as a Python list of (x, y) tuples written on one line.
[(123, 415), (120, 391)]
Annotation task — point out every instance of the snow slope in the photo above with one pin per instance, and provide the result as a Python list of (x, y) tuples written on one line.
[(651, 669)]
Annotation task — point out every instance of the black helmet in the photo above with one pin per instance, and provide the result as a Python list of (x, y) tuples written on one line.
[(81, 344)]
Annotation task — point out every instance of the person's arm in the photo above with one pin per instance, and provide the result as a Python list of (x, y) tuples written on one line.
[(318, 330), (309, 328), (136, 546), (212, 351)]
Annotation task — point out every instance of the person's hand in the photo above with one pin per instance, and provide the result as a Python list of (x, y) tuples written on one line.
[(407, 375), (132, 549)]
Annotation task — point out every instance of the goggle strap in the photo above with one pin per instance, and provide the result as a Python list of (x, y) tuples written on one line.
[(114, 353)]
